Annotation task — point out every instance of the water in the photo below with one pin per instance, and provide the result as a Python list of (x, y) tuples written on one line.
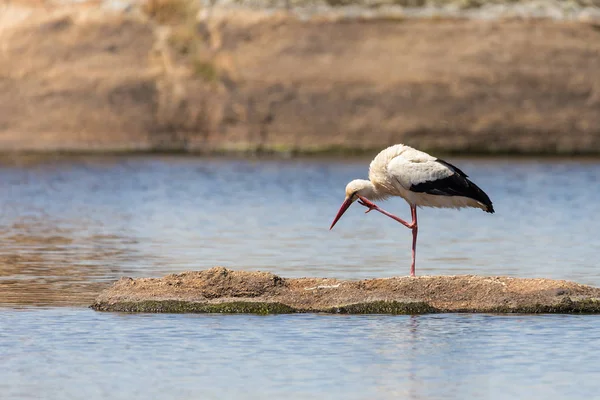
[(70, 226), (80, 354)]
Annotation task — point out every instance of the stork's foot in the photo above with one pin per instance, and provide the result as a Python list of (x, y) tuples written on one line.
[(364, 202)]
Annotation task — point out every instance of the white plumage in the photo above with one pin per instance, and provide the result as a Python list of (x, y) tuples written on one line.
[(398, 168), (420, 179)]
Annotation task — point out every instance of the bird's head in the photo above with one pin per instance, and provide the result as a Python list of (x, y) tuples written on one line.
[(357, 187)]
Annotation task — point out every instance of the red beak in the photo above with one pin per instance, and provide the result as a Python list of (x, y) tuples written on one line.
[(341, 212)]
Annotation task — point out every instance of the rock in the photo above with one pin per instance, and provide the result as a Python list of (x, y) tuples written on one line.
[(225, 291)]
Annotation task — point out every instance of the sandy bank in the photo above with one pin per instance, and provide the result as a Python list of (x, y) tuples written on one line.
[(81, 79), (224, 291)]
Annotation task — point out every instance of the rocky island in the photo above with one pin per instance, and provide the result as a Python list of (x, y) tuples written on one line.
[(220, 290)]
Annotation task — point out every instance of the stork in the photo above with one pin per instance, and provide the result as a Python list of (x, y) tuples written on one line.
[(420, 179)]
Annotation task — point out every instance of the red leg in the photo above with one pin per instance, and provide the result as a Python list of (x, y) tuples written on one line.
[(413, 225), (372, 206), (415, 230)]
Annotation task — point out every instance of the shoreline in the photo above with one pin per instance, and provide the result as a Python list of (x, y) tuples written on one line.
[(229, 80), (334, 155)]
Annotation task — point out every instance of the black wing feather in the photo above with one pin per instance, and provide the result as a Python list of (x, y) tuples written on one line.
[(456, 184), (452, 167)]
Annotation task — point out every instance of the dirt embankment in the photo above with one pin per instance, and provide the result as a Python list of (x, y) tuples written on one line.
[(86, 79), (221, 290)]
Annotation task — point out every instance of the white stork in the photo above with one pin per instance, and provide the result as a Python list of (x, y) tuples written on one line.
[(420, 179)]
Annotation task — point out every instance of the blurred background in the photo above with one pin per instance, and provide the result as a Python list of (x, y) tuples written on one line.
[(144, 138), (301, 76)]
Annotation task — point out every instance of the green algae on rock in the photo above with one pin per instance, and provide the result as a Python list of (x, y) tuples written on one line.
[(566, 306), (179, 307), (386, 307)]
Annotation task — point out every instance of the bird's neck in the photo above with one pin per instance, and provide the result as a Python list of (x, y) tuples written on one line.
[(371, 192)]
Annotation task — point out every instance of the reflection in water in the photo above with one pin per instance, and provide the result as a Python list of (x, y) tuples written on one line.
[(69, 226), (54, 268)]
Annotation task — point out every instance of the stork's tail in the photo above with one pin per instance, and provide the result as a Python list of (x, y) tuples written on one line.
[(481, 197)]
